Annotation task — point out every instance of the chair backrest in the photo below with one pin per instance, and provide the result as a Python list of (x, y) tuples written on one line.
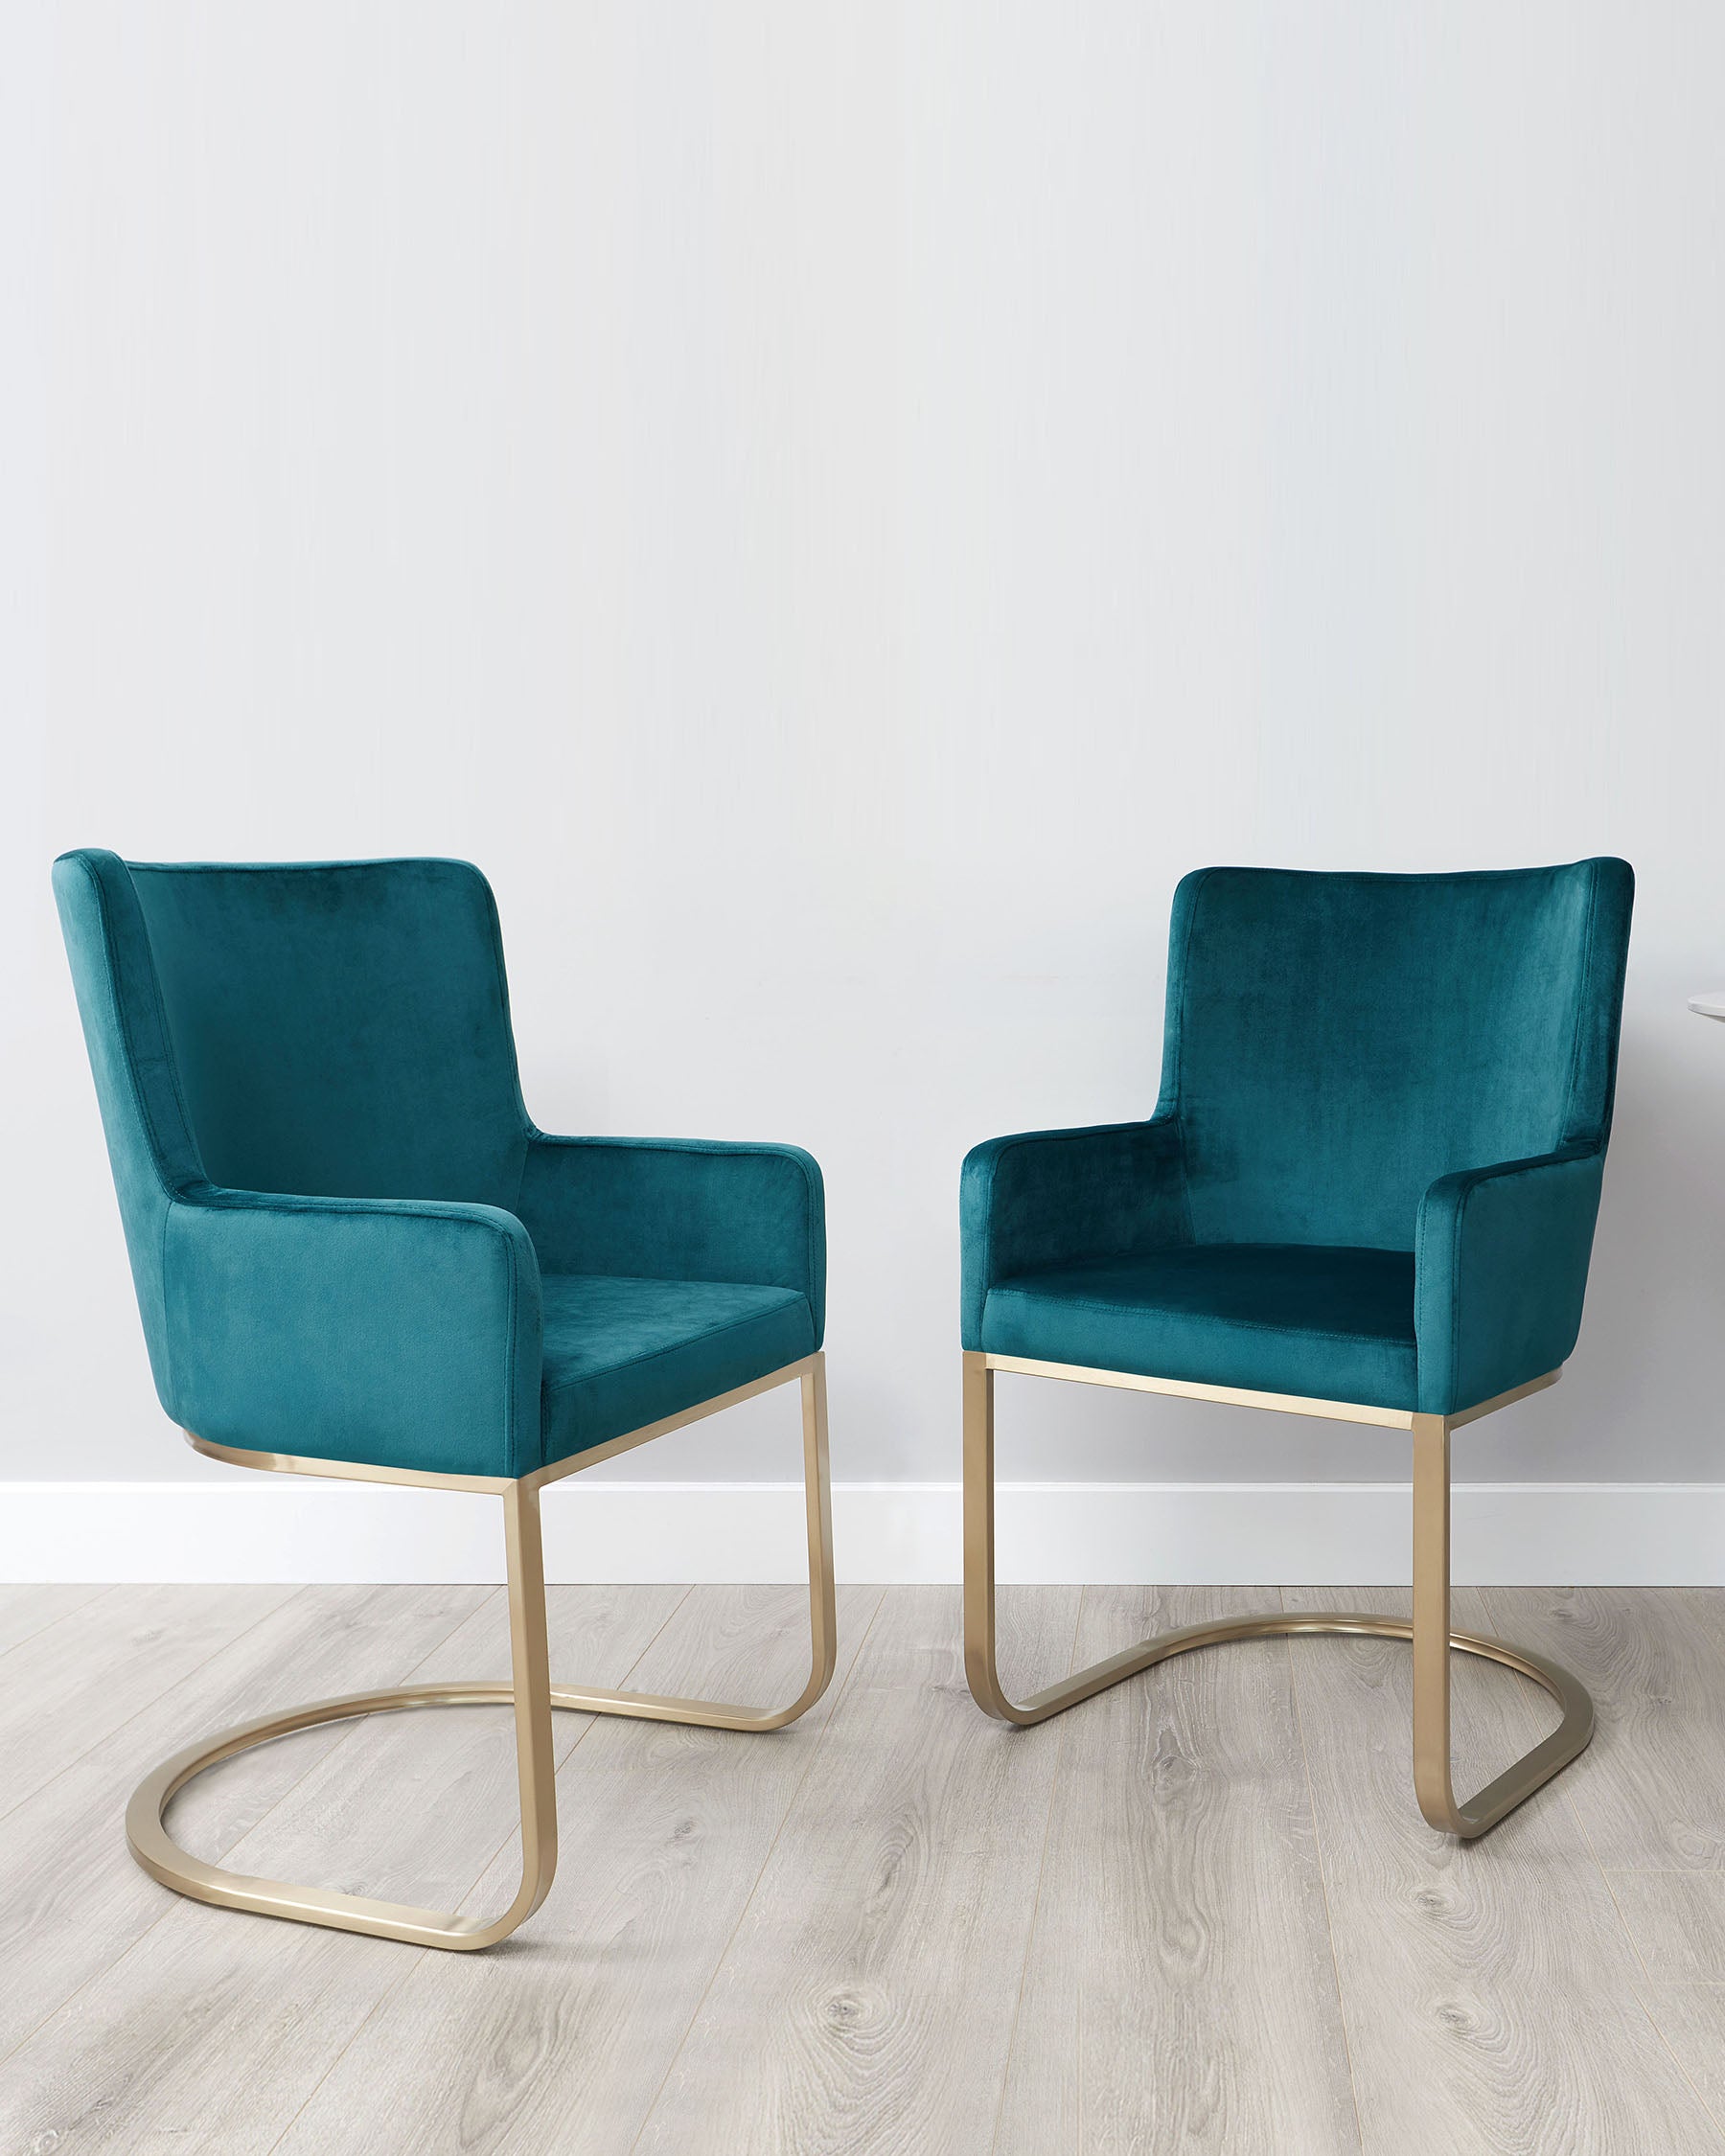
[(332, 1029), (1336, 1043)]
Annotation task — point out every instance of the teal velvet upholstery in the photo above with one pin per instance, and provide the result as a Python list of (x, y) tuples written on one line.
[(1374, 1168), (623, 1352), (348, 1239)]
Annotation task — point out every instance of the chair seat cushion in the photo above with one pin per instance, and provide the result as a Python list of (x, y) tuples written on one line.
[(620, 1353), (1327, 1322)]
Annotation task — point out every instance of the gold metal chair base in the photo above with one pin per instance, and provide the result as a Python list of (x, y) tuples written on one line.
[(1429, 1630), (531, 1692)]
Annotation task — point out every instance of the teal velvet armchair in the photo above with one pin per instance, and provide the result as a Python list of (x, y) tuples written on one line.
[(1368, 1192), (356, 1257)]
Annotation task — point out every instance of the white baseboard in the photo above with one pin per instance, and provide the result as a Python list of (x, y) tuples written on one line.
[(255, 1529)]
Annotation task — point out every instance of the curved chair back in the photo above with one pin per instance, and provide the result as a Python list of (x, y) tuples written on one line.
[(336, 1031), (1336, 1043)]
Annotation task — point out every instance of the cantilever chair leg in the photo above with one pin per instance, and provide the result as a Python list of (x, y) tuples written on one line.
[(1429, 1631), (530, 1692), (1432, 1638), (822, 1604)]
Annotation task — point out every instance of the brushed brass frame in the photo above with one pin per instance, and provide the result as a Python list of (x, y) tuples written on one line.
[(1430, 1630), (530, 1690)]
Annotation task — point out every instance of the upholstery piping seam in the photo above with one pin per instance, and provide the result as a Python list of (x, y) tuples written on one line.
[(1025, 1139), (166, 1328), (511, 1364), (1581, 1004), (1186, 953), (524, 1121), (1453, 1376), (1241, 1324), (167, 1055), (283, 867), (1179, 1050), (221, 1198), (128, 1049), (1394, 875)]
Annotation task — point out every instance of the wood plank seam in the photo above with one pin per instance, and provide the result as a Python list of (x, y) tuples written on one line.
[(144, 1705), (831, 1716), (416, 1954), (48, 1625), (1305, 1762), (1643, 1997), (312, 1766), (1042, 1869)]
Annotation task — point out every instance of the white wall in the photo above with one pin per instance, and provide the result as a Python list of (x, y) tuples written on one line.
[(836, 509)]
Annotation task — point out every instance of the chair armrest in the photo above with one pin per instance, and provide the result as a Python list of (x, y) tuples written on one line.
[(397, 1332), (678, 1209), (1499, 1269), (1048, 1198)]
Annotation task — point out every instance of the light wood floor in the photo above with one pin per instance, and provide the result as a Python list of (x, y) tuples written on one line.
[(1197, 1913)]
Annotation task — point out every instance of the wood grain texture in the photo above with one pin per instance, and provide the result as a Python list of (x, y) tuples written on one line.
[(213, 2029), (75, 1681), (1677, 1921), (345, 1640), (1181, 1991), (1490, 1987), (562, 2040), (1650, 1789), (24, 1611), (865, 2003), (896, 1927), (1691, 2017), (72, 1900), (430, 1796)]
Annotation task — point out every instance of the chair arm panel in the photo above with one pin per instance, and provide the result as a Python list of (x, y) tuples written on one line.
[(678, 1209), (1047, 1198), (1500, 1272), (397, 1332)]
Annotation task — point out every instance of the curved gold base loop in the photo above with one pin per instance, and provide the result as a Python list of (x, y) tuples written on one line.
[(530, 1692), (1466, 1820), (165, 1862), (163, 1858), (1429, 1630)]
